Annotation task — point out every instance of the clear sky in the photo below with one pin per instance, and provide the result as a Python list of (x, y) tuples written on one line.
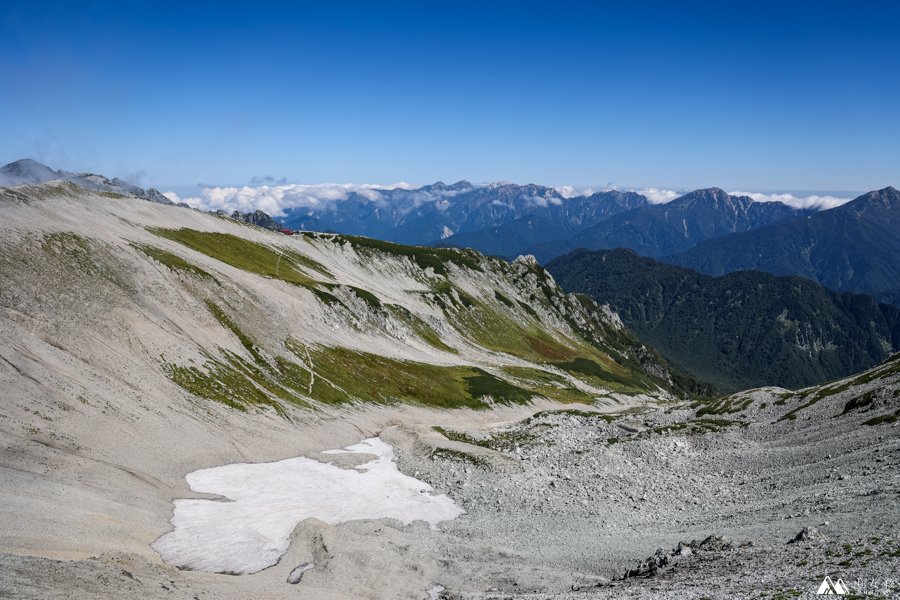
[(749, 95)]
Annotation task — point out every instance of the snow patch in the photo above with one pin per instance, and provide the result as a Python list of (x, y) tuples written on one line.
[(249, 530)]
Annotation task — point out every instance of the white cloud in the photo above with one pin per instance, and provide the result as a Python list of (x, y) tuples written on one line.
[(657, 195), (662, 196), (568, 191), (275, 200), (403, 185), (813, 201)]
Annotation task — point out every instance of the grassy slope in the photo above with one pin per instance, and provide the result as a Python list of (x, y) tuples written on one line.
[(504, 321), (503, 332)]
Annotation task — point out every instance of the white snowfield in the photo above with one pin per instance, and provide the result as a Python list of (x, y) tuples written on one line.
[(250, 528)]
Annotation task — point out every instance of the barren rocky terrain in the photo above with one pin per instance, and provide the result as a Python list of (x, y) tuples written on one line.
[(651, 502)]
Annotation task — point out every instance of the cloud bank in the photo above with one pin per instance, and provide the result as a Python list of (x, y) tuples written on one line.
[(813, 201), (658, 196), (654, 195), (277, 200), (568, 191)]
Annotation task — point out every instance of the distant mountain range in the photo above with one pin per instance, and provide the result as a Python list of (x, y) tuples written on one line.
[(446, 215), (663, 229), (508, 220), (744, 329), (853, 247), (543, 225)]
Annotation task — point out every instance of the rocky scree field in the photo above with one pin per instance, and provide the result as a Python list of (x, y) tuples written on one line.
[(761, 494)]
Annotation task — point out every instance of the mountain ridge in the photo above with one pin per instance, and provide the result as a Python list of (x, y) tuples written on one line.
[(852, 247), (662, 229), (560, 220), (28, 171)]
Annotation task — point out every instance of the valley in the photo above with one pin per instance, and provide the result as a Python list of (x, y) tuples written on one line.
[(145, 345), (740, 330), (449, 300)]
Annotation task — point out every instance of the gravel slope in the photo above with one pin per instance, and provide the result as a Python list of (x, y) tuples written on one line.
[(554, 509)]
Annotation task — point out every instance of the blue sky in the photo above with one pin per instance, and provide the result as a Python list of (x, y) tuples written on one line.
[(791, 95)]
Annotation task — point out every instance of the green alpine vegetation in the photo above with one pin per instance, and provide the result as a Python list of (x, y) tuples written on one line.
[(172, 261), (741, 330), (339, 376), (75, 256), (386, 323), (253, 257), (588, 349)]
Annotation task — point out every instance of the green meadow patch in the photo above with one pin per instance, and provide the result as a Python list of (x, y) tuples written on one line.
[(173, 261), (247, 255)]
